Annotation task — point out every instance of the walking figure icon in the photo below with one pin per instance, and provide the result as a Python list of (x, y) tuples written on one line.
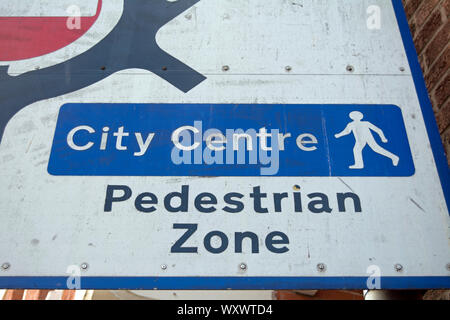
[(362, 130)]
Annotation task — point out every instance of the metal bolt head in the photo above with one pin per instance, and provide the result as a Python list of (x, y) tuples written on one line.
[(84, 266), (164, 267), (402, 69), (321, 267), (243, 266), (398, 267), (448, 266), (6, 266), (225, 68), (350, 68), (288, 68)]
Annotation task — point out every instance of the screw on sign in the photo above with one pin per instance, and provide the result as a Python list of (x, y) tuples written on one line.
[(321, 267), (298, 147), (398, 267), (84, 266)]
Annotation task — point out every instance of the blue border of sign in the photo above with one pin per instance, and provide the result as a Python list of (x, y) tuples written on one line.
[(261, 283), (425, 103), (225, 283)]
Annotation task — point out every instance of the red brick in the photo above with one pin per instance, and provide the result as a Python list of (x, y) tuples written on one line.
[(36, 294), (438, 70), (427, 32), (68, 295), (13, 295), (442, 91), (438, 44), (430, 26), (446, 8), (443, 117), (411, 7), (424, 11)]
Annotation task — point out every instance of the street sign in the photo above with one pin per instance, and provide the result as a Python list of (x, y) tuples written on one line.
[(209, 144)]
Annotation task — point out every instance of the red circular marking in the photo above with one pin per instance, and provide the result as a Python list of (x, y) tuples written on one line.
[(29, 37)]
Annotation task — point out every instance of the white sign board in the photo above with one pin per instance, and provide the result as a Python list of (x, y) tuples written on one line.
[(213, 144)]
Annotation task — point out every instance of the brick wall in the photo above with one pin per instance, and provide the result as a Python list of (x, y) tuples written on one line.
[(430, 25)]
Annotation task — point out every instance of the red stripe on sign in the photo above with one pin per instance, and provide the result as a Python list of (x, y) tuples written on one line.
[(29, 37)]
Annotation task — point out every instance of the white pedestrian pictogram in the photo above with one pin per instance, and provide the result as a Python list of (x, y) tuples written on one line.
[(363, 136)]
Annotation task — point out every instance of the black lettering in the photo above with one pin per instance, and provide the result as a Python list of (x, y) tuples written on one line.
[(341, 197), (183, 195), (323, 203), (298, 202), (205, 198), (239, 238), (177, 246), (110, 198), (140, 201), (257, 195), (270, 242), (277, 197), (224, 242), (229, 200)]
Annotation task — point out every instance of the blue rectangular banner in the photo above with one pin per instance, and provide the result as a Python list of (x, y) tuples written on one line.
[(230, 140)]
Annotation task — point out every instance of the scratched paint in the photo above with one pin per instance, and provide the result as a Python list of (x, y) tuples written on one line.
[(398, 220)]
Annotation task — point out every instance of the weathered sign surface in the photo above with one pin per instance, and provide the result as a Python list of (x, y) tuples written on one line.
[(198, 144)]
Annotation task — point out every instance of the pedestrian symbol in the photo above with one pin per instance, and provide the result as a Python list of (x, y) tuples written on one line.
[(362, 130)]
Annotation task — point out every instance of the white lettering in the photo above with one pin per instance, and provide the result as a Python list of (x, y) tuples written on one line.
[(120, 134), (176, 138), (305, 139), (143, 146), (72, 134)]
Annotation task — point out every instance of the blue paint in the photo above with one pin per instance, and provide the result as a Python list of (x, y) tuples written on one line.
[(424, 100), (223, 283), (282, 282), (332, 156)]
